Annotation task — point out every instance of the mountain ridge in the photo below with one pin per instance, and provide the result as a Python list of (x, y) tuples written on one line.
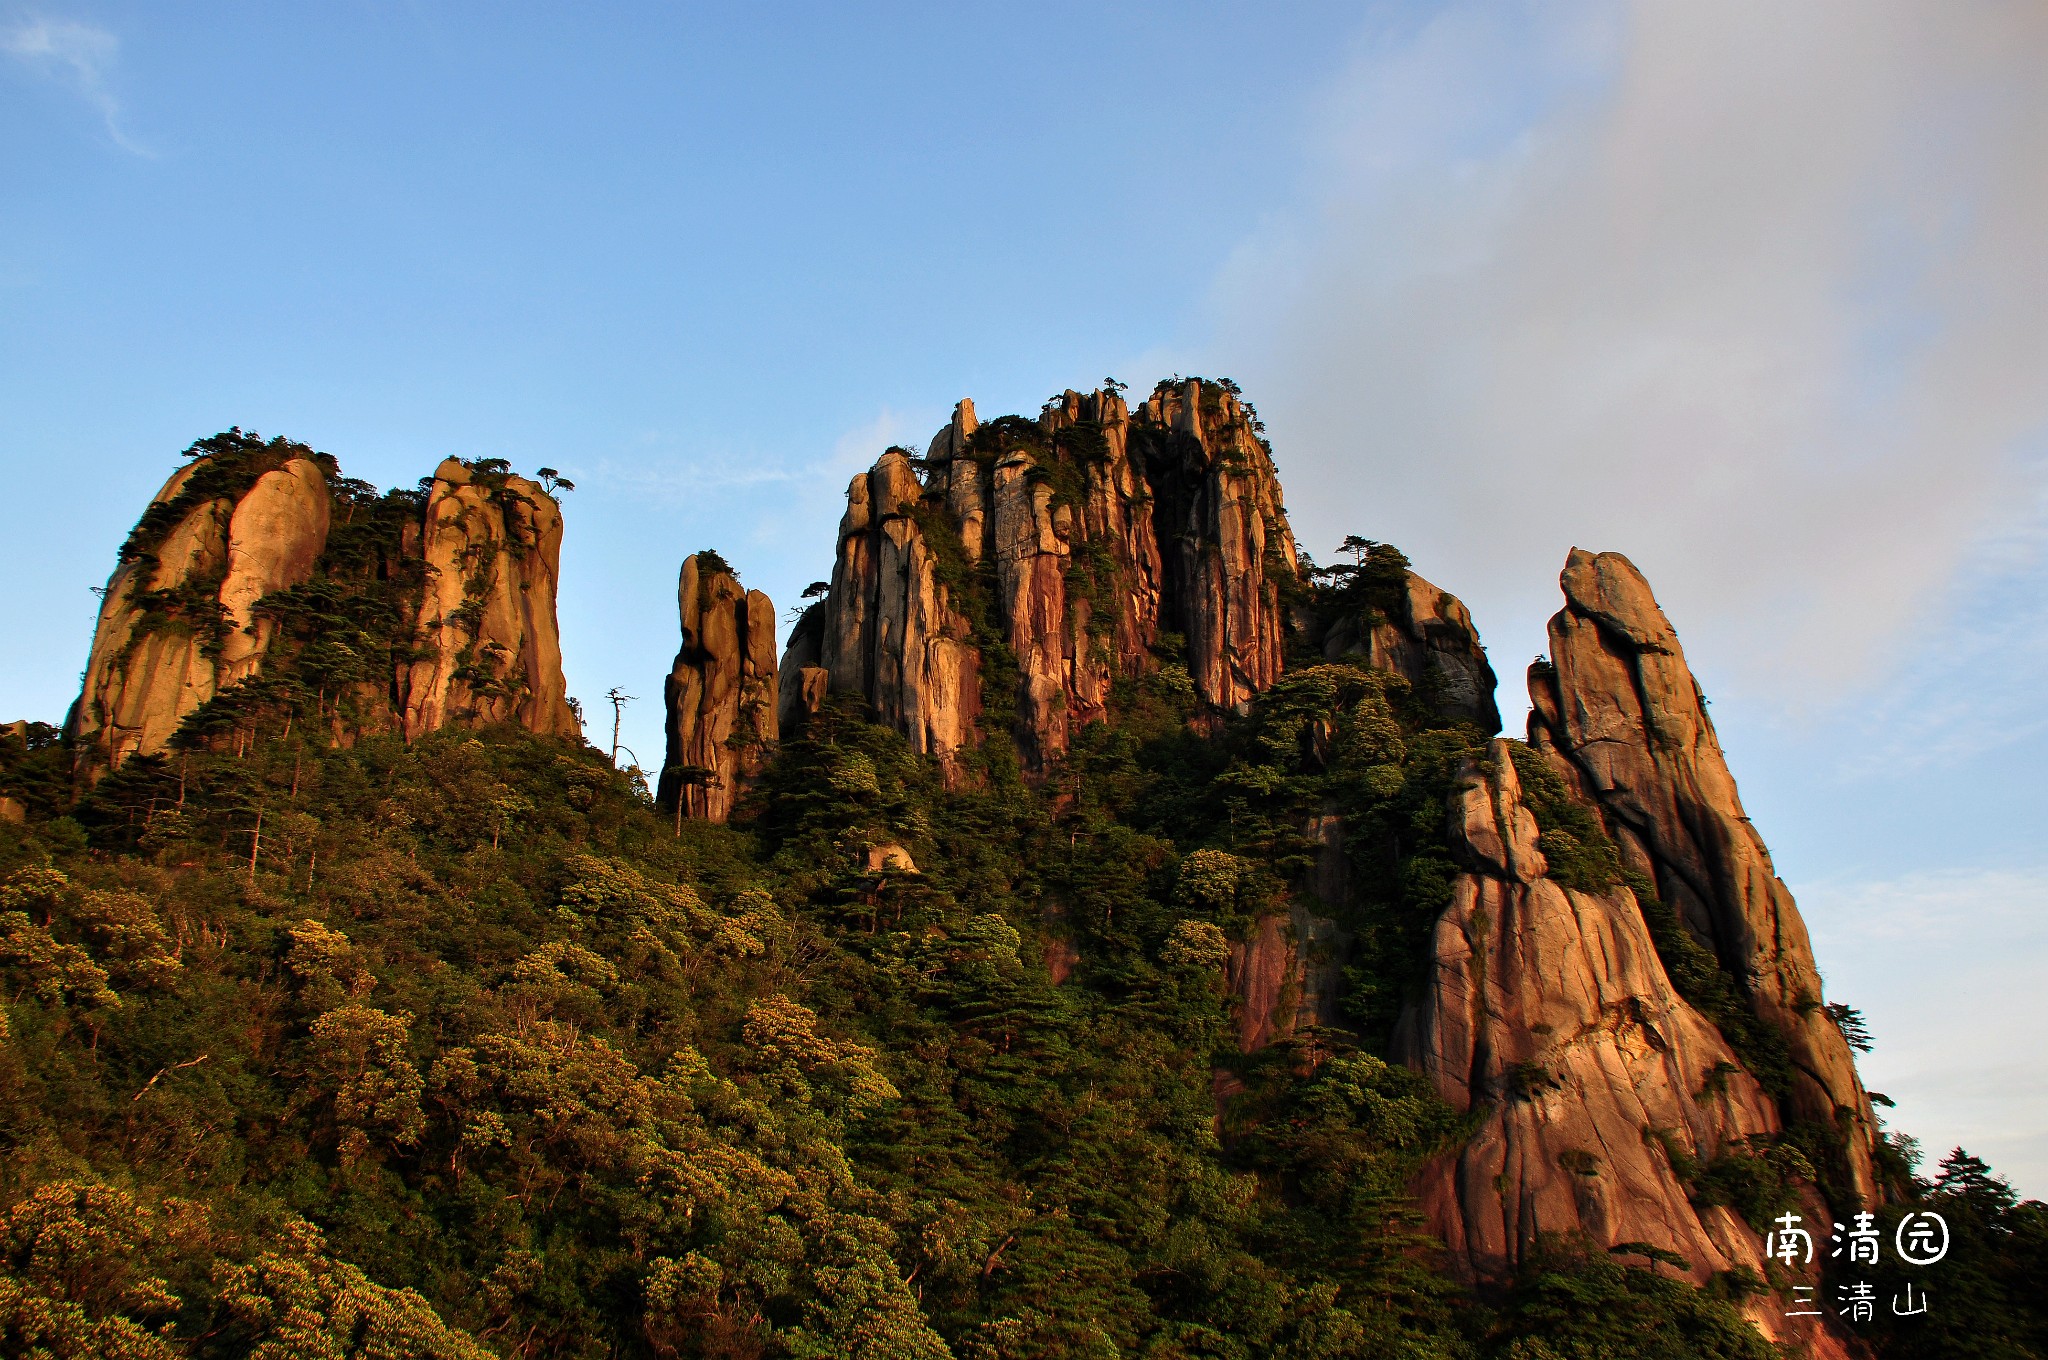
[(1076, 757)]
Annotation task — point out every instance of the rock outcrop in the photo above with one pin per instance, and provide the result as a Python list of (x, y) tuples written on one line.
[(1219, 518), (1619, 704), (721, 694), (1289, 975), (1428, 637), (183, 621), (1045, 537), (493, 547), (1549, 1009), (176, 624)]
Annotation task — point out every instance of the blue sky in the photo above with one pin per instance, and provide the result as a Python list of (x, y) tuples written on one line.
[(1751, 292)]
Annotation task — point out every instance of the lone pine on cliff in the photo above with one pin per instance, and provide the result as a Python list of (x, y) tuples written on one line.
[(1096, 930)]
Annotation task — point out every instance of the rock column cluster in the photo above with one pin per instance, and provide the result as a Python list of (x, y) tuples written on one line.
[(1045, 537), (180, 622)]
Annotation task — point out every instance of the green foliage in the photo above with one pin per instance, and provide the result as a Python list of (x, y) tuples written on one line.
[(353, 1047), (1574, 1302)]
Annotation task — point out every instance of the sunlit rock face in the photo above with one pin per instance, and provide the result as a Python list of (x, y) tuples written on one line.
[(1619, 706), (1548, 1010), (177, 622), (1044, 537), (721, 694), (493, 651)]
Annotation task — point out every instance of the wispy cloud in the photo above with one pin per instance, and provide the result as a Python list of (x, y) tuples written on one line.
[(1750, 291), (82, 56)]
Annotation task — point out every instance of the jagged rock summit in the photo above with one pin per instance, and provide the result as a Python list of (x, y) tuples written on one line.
[(406, 611), (1035, 561)]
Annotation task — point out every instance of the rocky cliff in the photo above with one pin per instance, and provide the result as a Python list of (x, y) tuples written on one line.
[(1619, 705), (1024, 572), (493, 549), (1425, 634), (176, 622), (399, 612), (1548, 1009), (721, 695)]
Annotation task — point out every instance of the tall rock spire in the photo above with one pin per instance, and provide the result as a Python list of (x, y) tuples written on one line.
[(1620, 705), (493, 549), (721, 693)]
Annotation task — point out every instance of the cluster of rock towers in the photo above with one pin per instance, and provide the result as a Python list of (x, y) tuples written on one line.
[(1006, 579)]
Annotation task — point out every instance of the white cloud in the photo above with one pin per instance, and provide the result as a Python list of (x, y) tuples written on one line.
[(1946, 969), (1750, 291), (82, 56)]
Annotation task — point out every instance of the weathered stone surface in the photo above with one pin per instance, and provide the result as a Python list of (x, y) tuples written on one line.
[(274, 537), (721, 695), (1620, 705), (1429, 639), (1549, 1009), (1222, 526), (1059, 522), (151, 665), (889, 631), (493, 549), (1289, 975), (801, 680)]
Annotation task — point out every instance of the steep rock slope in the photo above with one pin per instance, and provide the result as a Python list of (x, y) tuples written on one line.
[(1043, 539), (720, 696), (493, 548), (1549, 1009), (176, 622), (1620, 705)]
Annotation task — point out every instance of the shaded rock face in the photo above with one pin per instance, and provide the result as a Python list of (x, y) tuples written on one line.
[(493, 550), (1219, 516), (1044, 536), (1429, 639), (1621, 708), (721, 694), (801, 680), (1549, 1009), (176, 624)]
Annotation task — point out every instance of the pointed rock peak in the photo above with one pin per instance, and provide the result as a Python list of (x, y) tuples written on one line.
[(1618, 705), (1607, 587)]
